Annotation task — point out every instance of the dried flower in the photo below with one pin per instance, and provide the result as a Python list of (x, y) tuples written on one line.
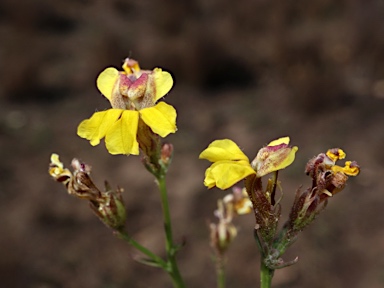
[(108, 205), (327, 180)]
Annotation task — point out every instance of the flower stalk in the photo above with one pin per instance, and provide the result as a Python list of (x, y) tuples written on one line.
[(266, 275), (220, 272), (154, 259), (171, 248)]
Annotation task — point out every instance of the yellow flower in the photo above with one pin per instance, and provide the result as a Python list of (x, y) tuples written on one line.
[(133, 94), (230, 164)]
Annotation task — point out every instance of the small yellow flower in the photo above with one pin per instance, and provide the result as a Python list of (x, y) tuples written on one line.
[(230, 164), (133, 94)]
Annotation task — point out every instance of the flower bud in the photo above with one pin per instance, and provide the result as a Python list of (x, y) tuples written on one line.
[(166, 154), (81, 184), (222, 235)]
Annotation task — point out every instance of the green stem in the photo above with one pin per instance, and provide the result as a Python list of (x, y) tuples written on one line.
[(285, 239), (258, 242), (171, 248), (156, 259), (220, 271), (266, 275)]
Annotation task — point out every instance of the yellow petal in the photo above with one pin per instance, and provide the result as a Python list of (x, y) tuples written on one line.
[(106, 81), (282, 140), (273, 160), (161, 118), (131, 66), (209, 180), (224, 149), (57, 170), (350, 168), (96, 127), (163, 82), (121, 137), (336, 154), (55, 161), (288, 159), (224, 174)]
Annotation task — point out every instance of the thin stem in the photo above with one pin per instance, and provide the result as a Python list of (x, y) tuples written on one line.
[(258, 242), (156, 259), (284, 240), (171, 248), (266, 275), (220, 271)]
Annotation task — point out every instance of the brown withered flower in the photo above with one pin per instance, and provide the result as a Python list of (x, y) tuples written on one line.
[(328, 179), (107, 205)]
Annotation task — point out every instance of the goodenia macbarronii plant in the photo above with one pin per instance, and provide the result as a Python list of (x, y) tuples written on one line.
[(136, 122), (135, 125)]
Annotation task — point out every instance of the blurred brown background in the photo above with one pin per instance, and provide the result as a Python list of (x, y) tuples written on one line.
[(251, 71)]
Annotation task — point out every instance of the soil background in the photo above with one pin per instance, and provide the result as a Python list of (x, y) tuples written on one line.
[(251, 71)]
